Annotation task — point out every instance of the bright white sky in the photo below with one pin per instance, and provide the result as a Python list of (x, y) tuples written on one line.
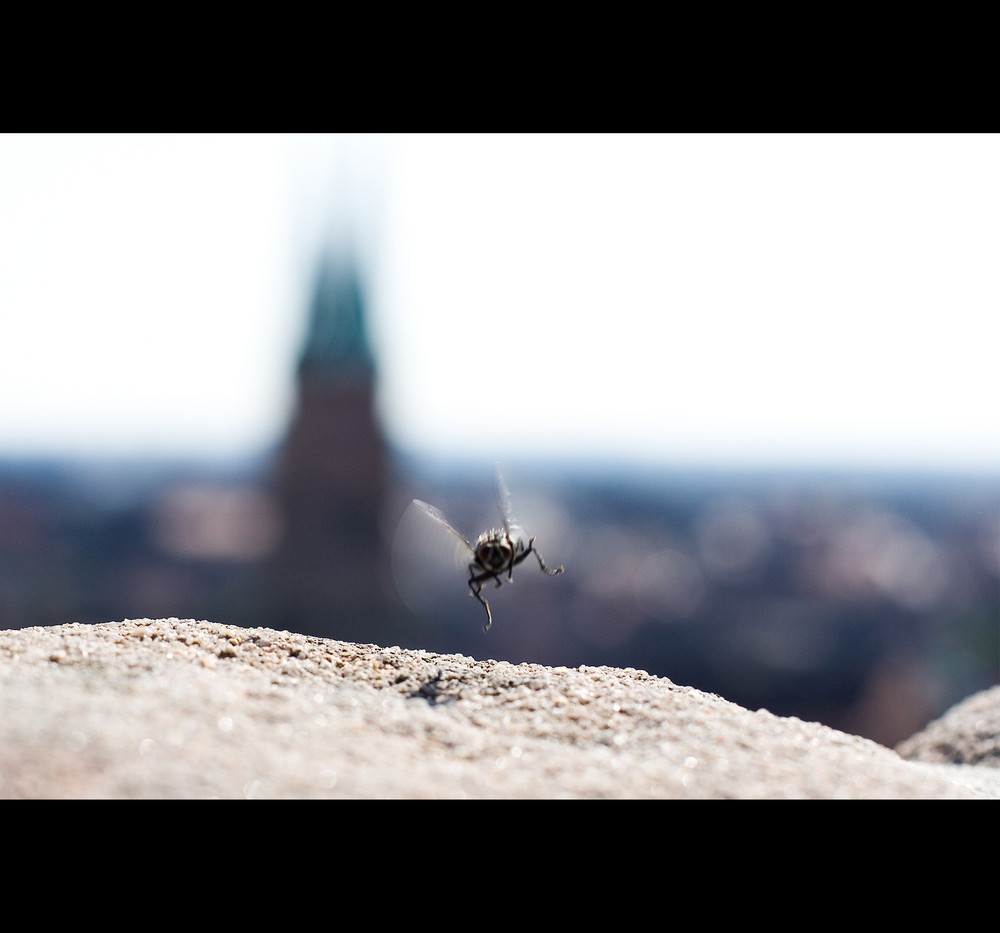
[(828, 300)]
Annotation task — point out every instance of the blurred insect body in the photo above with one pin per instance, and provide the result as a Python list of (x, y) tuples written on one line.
[(495, 553)]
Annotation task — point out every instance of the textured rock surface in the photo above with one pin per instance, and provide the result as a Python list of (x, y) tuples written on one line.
[(968, 734), (179, 708)]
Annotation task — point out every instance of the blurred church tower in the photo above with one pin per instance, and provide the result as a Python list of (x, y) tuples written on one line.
[(331, 473)]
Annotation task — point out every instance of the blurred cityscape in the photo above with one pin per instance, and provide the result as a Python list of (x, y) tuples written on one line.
[(869, 602)]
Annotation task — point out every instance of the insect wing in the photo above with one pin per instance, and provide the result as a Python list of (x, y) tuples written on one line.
[(430, 558), (438, 516), (510, 524)]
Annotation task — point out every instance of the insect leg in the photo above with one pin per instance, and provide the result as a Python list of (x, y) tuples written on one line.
[(541, 563), (475, 589)]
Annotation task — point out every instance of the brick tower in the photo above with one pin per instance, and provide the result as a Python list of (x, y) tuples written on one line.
[(331, 473)]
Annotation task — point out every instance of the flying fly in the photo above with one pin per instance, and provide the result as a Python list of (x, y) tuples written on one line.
[(496, 552)]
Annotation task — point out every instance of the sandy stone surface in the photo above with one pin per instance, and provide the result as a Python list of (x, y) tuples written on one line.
[(170, 708), (969, 733)]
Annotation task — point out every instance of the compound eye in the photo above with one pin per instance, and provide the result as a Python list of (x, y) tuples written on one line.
[(494, 555)]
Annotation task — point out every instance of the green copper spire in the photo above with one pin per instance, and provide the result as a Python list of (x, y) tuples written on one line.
[(337, 341)]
